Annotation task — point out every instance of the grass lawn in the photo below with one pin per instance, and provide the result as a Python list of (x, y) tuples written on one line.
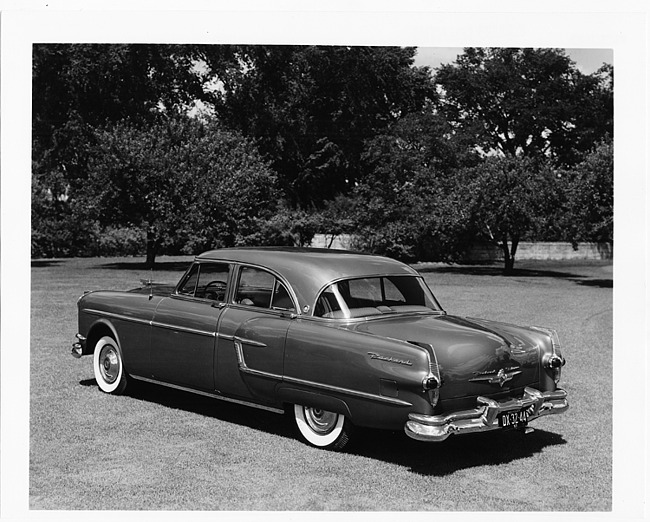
[(160, 449)]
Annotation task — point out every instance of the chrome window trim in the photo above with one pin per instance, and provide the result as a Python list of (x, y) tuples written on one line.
[(199, 262), (237, 265), (440, 310)]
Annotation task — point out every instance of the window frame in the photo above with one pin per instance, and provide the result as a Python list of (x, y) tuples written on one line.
[(190, 271), (333, 287), (236, 279)]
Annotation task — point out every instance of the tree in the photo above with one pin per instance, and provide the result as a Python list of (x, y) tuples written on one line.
[(589, 214), (77, 88), (528, 102), (189, 184), (310, 108), (508, 198)]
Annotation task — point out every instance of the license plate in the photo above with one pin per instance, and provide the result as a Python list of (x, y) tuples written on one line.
[(512, 419)]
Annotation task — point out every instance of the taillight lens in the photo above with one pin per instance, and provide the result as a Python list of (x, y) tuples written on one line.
[(431, 385), (554, 365)]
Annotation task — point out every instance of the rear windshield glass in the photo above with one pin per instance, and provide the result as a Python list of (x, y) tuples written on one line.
[(374, 296)]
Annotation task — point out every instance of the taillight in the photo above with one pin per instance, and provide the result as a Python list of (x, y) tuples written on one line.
[(430, 383), (553, 361), (554, 365)]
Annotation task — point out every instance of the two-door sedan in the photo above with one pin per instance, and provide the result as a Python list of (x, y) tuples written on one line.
[(342, 339)]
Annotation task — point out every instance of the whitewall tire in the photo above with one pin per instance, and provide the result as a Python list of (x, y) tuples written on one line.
[(108, 366), (321, 428)]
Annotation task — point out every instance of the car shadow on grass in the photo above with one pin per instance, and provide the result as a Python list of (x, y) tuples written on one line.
[(254, 418), (454, 454), (431, 459)]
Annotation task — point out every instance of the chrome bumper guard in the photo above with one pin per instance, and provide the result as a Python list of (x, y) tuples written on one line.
[(78, 347), (436, 428)]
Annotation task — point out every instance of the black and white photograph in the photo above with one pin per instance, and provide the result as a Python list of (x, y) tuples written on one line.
[(286, 261)]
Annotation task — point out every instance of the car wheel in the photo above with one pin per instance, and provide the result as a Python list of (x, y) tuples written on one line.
[(108, 367), (321, 428)]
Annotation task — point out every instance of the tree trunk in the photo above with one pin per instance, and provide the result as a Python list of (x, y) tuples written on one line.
[(509, 255), (152, 247)]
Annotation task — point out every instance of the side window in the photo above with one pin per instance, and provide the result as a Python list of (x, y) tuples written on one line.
[(327, 304), (213, 278), (189, 285), (260, 288), (392, 295), (365, 292), (206, 281), (281, 298)]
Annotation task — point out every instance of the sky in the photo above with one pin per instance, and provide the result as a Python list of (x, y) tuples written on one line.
[(587, 60)]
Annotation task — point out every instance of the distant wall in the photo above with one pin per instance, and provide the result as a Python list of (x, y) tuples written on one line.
[(487, 252), (544, 250), (340, 242)]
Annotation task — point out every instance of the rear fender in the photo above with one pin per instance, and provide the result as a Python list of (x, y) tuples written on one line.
[(316, 400)]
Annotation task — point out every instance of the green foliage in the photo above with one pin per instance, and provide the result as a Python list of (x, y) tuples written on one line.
[(190, 185), (79, 87), (531, 102), (286, 227), (590, 197), (508, 199), (310, 108), (57, 231), (326, 139), (120, 241)]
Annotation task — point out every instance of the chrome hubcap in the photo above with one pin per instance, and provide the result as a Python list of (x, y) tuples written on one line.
[(320, 421), (109, 364)]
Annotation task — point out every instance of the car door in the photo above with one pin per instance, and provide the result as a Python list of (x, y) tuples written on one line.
[(252, 333), (184, 328)]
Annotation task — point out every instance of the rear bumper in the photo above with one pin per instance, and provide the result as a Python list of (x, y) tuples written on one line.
[(436, 428), (79, 348)]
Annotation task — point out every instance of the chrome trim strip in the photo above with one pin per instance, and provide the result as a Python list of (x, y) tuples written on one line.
[(243, 367), (123, 317), (347, 391), (555, 340), (249, 341), (185, 329), (156, 324), (208, 394)]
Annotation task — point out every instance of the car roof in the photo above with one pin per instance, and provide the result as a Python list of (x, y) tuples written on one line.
[(308, 270)]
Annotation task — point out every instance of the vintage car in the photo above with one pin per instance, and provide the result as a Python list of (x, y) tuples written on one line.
[(338, 338)]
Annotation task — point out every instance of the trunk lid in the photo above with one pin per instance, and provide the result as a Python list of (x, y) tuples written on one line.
[(475, 357)]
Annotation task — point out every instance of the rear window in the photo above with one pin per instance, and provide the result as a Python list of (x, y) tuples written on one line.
[(369, 296)]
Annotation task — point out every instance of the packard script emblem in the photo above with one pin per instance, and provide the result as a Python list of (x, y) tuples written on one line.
[(374, 355), (501, 377)]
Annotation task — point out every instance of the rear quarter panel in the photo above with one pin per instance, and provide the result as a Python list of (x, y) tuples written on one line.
[(378, 380)]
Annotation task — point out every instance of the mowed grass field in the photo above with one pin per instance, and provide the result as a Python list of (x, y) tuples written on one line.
[(161, 449)]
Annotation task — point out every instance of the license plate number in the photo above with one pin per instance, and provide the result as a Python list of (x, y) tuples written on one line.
[(509, 419)]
